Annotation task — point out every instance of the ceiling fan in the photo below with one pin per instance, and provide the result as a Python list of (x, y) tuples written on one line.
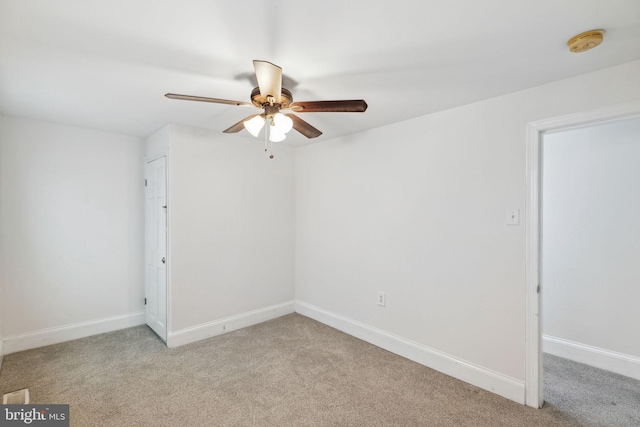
[(271, 97)]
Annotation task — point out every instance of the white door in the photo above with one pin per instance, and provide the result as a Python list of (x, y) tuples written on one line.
[(156, 246)]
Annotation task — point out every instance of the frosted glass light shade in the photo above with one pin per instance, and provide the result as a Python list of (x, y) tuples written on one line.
[(275, 135), (254, 125), (282, 123)]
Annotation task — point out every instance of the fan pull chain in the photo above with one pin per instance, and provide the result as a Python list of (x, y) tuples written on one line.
[(266, 134), (268, 144), (270, 149)]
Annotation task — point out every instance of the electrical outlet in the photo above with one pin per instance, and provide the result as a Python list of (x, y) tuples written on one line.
[(382, 298)]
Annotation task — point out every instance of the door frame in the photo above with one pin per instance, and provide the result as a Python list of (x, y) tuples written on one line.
[(535, 131), (149, 159)]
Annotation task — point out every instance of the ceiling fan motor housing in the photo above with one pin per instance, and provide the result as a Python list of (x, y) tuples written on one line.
[(262, 101)]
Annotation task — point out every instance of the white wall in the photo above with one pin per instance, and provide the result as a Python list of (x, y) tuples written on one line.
[(157, 144), (418, 210), (591, 236), (72, 221), (231, 226)]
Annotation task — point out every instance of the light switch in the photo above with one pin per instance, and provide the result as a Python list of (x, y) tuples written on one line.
[(513, 216)]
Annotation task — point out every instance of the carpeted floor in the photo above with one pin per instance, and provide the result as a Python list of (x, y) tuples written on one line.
[(291, 371), (593, 396)]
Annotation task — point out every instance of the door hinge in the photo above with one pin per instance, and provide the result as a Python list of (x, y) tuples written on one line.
[(538, 289), (145, 301), (145, 182)]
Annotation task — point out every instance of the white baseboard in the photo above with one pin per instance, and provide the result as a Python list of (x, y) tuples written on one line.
[(14, 343), (619, 363), (228, 324), (487, 379)]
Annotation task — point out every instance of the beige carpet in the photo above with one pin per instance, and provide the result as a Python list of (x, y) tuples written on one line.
[(291, 371)]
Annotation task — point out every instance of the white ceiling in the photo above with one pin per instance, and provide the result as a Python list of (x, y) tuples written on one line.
[(107, 64)]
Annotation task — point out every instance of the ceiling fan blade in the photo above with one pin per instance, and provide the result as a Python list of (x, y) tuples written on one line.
[(347, 106), (240, 125), (303, 127), (203, 99), (269, 78)]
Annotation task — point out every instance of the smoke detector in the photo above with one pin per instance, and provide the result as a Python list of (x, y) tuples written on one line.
[(586, 41)]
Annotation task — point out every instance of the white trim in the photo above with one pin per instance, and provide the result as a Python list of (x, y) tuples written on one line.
[(228, 324), (169, 250), (533, 359), (473, 374), (588, 118), (156, 156), (620, 363), (75, 331)]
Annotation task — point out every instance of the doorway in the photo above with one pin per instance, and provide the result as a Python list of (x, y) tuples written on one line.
[(156, 231), (590, 193), (535, 132)]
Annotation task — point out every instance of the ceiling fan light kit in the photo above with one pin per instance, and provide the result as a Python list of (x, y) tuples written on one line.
[(275, 135), (254, 125), (271, 97), (282, 122)]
